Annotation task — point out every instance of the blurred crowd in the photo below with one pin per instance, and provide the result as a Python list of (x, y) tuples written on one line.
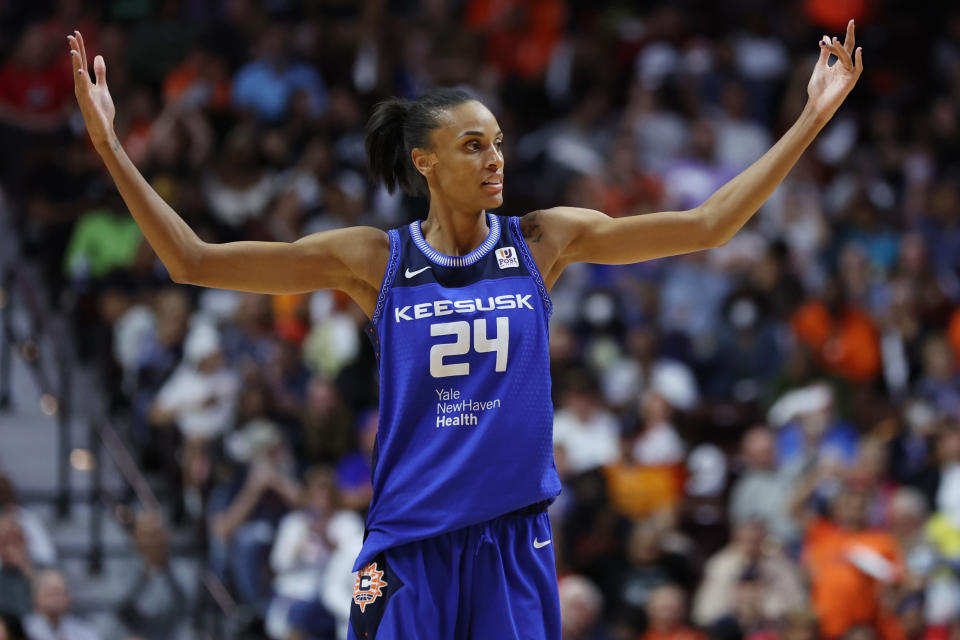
[(759, 441)]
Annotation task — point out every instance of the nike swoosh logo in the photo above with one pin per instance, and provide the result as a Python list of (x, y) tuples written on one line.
[(410, 274), (540, 545)]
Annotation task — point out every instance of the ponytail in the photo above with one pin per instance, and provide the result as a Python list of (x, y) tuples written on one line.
[(397, 127)]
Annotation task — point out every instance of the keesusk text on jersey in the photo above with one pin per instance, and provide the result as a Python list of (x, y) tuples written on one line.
[(445, 307)]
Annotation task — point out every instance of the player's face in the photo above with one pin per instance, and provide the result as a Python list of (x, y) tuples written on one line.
[(469, 157)]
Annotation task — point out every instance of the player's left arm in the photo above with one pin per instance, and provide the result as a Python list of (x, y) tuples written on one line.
[(570, 234)]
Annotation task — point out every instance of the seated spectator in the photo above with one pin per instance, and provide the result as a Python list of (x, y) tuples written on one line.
[(770, 577), (940, 383), (851, 567), (763, 492), (267, 83), (643, 368), (103, 240), (300, 557), (160, 353), (666, 616), (843, 337), (649, 566), (155, 605), (658, 443), (747, 617), (588, 433), (35, 94), (200, 399), (809, 426), (581, 604), (201, 396), (16, 569), (39, 542), (51, 619), (245, 510)]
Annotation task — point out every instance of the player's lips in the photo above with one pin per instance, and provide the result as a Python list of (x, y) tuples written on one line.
[(494, 183)]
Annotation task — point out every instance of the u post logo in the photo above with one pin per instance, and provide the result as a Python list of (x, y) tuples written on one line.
[(507, 257)]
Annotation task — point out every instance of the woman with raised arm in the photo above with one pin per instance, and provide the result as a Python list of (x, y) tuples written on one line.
[(457, 543)]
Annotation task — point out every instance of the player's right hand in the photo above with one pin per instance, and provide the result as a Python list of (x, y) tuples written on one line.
[(94, 98)]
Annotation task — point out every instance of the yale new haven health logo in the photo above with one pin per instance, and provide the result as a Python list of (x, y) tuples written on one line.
[(368, 586), (507, 257)]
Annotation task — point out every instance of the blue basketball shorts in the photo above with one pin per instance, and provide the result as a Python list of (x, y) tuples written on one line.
[(496, 579)]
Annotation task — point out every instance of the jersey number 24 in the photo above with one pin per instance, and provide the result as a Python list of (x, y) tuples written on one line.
[(481, 344)]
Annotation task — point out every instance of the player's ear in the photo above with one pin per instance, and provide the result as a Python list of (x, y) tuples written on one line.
[(423, 160)]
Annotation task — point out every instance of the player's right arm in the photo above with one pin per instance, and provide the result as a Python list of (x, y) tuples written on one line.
[(352, 260)]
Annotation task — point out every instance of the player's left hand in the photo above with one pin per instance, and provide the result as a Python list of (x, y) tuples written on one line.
[(829, 85)]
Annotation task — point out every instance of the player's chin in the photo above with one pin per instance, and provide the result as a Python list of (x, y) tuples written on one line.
[(492, 200)]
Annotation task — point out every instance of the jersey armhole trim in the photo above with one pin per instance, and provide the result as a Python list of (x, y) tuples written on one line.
[(388, 276), (524, 250)]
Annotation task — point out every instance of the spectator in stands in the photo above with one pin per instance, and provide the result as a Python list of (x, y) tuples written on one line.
[(853, 568), (658, 443), (667, 616), (811, 429), (34, 94), (581, 604), (305, 542), (750, 573), (842, 335), (160, 354), (51, 619), (763, 491), (649, 565), (16, 569), (155, 606), (200, 400), (748, 616), (245, 510), (38, 539), (267, 83), (588, 433)]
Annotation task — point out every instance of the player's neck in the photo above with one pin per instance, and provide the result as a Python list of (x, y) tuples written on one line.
[(454, 233)]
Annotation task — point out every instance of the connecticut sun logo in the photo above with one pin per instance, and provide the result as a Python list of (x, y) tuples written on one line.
[(368, 586)]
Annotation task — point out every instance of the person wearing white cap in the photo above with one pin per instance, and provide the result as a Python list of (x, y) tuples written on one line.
[(199, 399)]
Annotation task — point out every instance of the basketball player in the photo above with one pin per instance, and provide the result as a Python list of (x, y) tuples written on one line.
[(458, 543)]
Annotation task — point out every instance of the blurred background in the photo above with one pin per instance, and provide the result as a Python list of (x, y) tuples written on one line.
[(759, 441)]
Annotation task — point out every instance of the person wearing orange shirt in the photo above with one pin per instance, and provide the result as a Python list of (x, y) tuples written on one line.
[(851, 566), (843, 337)]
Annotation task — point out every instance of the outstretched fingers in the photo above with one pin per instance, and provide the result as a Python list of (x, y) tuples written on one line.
[(79, 73), (850, 41), (83, 50)]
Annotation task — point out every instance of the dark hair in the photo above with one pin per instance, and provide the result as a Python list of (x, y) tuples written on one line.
[(14, 626), (396, 127)]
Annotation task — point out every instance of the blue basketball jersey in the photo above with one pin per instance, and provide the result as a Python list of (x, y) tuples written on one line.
[(466, 419)]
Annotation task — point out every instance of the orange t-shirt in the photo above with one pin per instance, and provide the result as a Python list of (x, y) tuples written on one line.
[(847, 345), (844, 595)]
